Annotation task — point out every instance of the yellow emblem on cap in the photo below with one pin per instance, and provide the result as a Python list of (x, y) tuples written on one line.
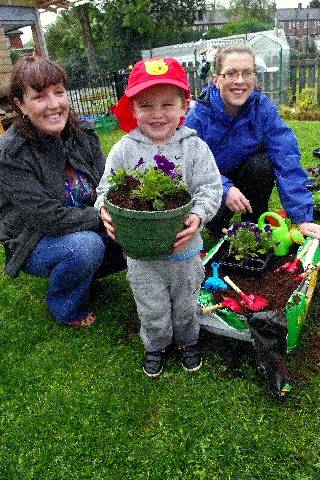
[(156, 67)]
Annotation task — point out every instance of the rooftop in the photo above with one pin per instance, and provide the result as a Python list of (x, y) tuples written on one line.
[(303, 14)]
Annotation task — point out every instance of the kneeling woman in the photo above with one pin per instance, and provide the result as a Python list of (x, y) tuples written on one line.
[(49, 169)]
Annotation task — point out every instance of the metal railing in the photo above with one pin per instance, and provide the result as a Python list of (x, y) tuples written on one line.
[(94, 94)]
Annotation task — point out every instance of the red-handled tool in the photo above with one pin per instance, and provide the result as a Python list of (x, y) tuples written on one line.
[(227, 302), (251, 301), (296, 264)]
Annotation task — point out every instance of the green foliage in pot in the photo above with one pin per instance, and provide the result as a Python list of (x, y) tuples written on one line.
[(154, 183), (248, 240)]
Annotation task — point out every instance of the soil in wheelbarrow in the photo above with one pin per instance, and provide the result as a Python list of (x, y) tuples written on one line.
[(276, 287), (127, 198)]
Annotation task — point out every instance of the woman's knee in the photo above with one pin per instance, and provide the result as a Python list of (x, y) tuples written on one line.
[(87, 249), (259, 166)]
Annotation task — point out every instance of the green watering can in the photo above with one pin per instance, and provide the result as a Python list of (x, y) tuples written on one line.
[(285, 237)]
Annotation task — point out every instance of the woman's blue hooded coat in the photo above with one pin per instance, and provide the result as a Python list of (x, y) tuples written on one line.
[(258, 128)]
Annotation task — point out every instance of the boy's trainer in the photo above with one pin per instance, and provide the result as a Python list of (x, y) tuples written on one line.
[(190, 358), (154, 363)]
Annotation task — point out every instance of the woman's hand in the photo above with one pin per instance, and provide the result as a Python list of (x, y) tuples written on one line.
[(191, 224), (107, 222), (310, 229), (237, 202)]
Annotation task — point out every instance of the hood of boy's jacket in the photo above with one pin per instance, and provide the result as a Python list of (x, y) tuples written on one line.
[(180, 134)]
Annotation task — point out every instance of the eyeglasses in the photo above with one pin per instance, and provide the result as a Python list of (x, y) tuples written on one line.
[(246, 75)]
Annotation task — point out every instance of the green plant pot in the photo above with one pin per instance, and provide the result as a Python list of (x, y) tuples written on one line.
[(147, 235)]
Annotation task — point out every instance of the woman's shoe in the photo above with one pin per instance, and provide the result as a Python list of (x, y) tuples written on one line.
[(85, 322)]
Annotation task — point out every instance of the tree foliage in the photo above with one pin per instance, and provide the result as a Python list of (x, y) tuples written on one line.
[(240, 27), (260, 10), (150, 16), (314, 4), (122, 28)]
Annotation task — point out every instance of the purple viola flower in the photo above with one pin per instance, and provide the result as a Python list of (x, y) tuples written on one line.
[(258, 239), (237, 225), (267, 228), (175, 175), (163, 163), (113, 172), (140, 162)]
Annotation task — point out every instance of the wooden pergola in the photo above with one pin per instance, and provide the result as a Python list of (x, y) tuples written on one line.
[(42, 5), (19, 10), (53, 6)]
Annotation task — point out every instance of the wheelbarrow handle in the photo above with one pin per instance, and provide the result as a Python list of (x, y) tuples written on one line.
[(304, 250), (212, 251), (307, 261), (309, 270), (205, 310), (233, 285)]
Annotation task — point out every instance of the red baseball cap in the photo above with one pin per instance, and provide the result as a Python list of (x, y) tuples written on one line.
[(145, 74)]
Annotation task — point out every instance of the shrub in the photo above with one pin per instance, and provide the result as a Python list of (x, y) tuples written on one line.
[(305, 107)]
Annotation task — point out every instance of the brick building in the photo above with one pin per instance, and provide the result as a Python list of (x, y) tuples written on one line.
[(301, 26), (209, 19), (14, 37)]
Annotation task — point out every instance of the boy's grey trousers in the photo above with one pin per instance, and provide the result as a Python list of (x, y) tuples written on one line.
[(165, 293)]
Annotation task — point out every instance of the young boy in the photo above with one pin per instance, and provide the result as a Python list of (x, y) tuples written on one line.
[(166, 290)]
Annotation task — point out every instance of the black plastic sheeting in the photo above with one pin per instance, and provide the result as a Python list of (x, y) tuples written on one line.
[(269, 333)]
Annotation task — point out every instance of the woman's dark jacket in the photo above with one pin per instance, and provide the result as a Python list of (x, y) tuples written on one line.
[(32, 189)]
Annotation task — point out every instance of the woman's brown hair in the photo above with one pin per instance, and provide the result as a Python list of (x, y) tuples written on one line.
[(223, 52), (38, 73)]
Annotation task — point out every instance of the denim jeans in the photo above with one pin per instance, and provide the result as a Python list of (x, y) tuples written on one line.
[(71, 262)]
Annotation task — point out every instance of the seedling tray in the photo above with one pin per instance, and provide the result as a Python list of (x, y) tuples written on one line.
[(316, 212), (312, 184), (254, 266)]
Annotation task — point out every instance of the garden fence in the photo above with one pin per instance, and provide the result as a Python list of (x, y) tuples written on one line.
[(303, 73), (94, 94)]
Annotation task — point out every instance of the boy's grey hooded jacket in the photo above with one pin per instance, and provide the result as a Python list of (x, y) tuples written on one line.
[(196, 162)]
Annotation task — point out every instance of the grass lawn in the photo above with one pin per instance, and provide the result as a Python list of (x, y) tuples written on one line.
[(76, 405)]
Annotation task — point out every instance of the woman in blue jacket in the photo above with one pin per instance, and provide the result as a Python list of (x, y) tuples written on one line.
[(253, 147)]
